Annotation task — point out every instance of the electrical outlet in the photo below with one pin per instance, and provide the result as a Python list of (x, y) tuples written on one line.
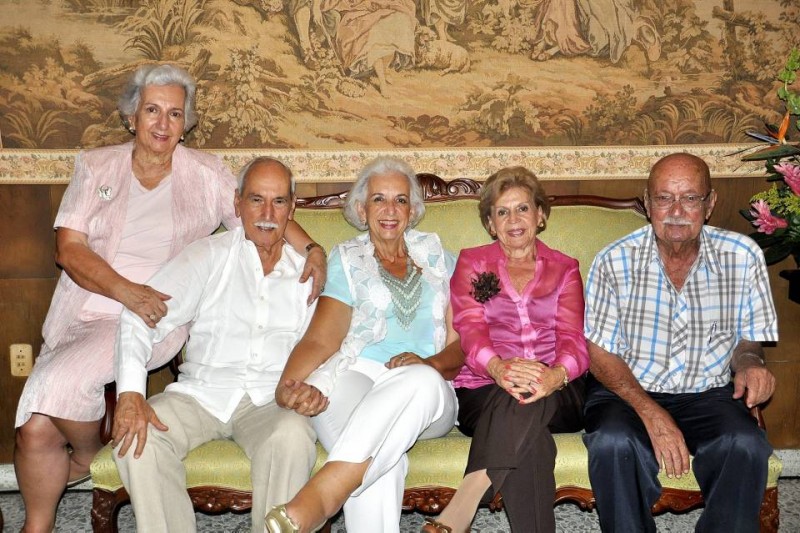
[(21, 356)]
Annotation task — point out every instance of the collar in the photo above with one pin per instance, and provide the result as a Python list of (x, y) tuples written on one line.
[(706, 255)]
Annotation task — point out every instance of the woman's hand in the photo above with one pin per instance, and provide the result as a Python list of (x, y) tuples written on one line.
[(524, 379), (316, 268), (145, 301), (405, 359)]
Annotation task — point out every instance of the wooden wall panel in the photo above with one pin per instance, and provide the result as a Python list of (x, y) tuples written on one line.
[(26, 232), (23, 306)]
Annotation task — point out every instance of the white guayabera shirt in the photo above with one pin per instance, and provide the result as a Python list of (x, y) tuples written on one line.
[(243, 324)]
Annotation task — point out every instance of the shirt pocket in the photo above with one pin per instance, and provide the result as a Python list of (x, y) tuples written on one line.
[(719, 347)]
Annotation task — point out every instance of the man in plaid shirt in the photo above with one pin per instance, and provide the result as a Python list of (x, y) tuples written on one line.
[(672, 311)]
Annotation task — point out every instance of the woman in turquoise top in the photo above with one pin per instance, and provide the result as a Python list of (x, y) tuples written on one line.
[(383, 335)]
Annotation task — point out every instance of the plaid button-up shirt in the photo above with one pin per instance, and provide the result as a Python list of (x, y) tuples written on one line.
[(679, 341)]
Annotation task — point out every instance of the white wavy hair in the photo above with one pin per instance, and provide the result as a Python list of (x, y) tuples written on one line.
[(263, 159), (158, 75), (377, 167)]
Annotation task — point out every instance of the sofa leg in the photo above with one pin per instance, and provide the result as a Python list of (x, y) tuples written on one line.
[(770, 514), (105, 509)]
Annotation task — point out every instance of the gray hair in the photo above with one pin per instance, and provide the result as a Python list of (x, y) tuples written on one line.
[(159, 75), (376, 167), (263, 159)]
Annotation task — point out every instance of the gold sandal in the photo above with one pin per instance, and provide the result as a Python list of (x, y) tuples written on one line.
[(433, 526), (277, 521)]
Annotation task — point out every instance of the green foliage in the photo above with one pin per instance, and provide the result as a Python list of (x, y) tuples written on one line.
[(788, 76), (248, 104), (611, 111), (686, 44), (159, 24), (761, 44), (501, 111)]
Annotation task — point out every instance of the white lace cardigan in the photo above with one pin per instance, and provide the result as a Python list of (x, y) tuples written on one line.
[(371, 299)]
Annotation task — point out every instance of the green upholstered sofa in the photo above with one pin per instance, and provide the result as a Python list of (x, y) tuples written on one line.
[(218, 473)]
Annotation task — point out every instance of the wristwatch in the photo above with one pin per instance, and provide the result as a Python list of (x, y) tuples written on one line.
[(313, 244)]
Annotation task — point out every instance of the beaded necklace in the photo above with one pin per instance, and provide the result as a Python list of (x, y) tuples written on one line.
[(406, 292)]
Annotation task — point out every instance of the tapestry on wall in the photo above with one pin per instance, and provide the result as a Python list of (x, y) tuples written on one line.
[(343, 74)]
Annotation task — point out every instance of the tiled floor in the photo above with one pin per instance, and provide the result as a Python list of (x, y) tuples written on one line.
[(73, 516)]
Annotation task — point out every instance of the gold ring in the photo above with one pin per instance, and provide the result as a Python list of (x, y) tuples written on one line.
[(152, 317)]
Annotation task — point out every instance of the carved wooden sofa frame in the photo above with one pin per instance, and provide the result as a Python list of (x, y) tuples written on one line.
[(428, 500)]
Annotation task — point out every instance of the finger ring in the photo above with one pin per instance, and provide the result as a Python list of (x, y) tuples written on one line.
[(402, 358), (152, 317)]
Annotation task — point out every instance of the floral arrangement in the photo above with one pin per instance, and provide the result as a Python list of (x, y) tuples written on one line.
[(776, 212), (485, 285)]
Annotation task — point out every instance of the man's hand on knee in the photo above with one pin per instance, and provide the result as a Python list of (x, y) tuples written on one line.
[(131, 418), (669, 446), (756, 383)]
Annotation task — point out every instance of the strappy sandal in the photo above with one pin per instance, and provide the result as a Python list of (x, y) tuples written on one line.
[(278, 521), (433, 526)]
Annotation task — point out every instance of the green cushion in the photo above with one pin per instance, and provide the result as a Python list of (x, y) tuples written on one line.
[(578, 231), (436, 462)]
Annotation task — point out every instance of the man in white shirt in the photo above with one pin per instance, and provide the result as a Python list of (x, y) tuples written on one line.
[(240, 294)]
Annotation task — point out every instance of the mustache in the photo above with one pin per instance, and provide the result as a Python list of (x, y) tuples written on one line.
[(677, 221), (265, 224)]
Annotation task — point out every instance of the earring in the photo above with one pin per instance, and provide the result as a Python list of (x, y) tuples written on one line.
[(183, 138), (541, 224), (132, 130)]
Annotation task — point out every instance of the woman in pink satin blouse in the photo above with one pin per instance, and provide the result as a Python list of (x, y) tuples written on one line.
[(518, 306)]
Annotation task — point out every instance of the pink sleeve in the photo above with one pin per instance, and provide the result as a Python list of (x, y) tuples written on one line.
[(469, 320), (75, 205), (228, 187), (571, 348)]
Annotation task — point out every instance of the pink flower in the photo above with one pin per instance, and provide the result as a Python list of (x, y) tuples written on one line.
[(765, 221), (791, 174)]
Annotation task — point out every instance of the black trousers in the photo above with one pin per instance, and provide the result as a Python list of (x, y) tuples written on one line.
[(730, 459), (514, 444)]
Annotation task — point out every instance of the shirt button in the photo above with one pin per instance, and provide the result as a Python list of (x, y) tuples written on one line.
[(260, 327)]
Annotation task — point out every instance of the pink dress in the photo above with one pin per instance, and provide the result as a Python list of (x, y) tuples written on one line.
[(76, 360)]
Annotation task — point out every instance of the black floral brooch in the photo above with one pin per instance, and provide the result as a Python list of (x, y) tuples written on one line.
[(485, 285)]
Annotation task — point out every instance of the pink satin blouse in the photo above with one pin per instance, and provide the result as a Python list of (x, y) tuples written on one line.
[(544, 323)]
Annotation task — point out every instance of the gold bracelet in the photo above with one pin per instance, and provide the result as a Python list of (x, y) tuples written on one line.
[(566, 375)]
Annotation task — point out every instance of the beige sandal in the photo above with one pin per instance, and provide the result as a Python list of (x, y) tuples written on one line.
[(433, 526)]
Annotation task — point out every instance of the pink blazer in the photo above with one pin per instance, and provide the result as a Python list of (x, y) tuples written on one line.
[(96, 200), (544, 323)]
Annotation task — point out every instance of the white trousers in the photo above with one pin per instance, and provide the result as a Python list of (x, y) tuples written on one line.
[(380, 413), (279, 443)]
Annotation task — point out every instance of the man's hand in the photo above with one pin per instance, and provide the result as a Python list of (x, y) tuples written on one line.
[(131, 418), (756, 383), (316, 268), (301, 397), (669, 446)]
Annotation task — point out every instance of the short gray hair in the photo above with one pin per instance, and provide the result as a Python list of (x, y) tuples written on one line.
[(263, 159), (158, 75), (377, 167)]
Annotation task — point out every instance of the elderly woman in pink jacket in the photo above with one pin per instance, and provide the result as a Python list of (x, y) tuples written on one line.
[(128, 209), (518, 308)]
